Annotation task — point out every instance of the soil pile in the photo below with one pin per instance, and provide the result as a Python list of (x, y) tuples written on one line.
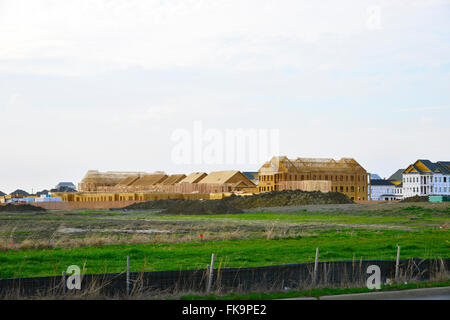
[(21, 208), (154, 205), (235, 204), (287, 198), (181, 206)]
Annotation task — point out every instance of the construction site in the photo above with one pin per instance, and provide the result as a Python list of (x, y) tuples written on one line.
[(311, 174), (113, 189)]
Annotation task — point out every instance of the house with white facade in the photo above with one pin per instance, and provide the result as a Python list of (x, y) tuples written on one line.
[(382, 190), (397, 180), (425, 178)]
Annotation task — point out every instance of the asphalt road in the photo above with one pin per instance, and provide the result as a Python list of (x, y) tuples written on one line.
[(442, 293), (434, 297)]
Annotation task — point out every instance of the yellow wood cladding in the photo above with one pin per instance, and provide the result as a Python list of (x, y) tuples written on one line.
[(346, 175)]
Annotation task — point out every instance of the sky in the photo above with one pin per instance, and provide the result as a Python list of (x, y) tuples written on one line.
[(108, 84)]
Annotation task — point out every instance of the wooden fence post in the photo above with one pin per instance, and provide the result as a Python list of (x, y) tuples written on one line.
[(316, 265), (210, 275), (64, 284), (397, 263), (128, 275)]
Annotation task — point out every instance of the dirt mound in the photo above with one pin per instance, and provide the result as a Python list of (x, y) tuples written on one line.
[(416, 199), (235, 204), (21, 208), (155, 204), (181, 206), (287, 198)]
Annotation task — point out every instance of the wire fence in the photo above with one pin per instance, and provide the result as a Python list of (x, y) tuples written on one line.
[(275, 278)]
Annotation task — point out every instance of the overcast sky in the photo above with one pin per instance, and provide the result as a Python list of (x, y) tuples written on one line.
[(103, 84)]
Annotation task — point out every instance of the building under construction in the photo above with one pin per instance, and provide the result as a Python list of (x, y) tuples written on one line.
[(345, 176), (198, 182)]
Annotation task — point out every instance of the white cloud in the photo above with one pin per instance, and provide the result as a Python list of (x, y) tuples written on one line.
[(82, 37)]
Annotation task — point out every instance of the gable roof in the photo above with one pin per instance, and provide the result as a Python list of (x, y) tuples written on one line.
[(298, 165), (109, 178), (173, 179), (127, 181), (218, 177), (66, 184), (227, 177), (19, 192), (397, 176), (194, 177), (252, 175), (150, 179), (426, 166)]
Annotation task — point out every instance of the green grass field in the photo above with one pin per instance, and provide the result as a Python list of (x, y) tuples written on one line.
[(333, 244), (32, 244)]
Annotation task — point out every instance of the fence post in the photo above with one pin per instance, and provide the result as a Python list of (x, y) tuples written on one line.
[(316, 265), (64, 284), (397, 263), (206, 276), (210, 275), (128, 276)]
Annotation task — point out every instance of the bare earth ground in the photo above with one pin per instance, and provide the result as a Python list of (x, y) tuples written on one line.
[(86, 228)]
